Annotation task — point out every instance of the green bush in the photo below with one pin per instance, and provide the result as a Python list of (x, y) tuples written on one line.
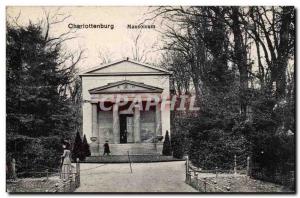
[(167, 148), (213, 149), (177, 145), (77, 151), (86, 147)]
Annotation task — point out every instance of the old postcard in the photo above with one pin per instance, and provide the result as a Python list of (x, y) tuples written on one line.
[(150, 99)]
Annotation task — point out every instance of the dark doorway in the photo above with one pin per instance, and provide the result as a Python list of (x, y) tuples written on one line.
[(123, 127)]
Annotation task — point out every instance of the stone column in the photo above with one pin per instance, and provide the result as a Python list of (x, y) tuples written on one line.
[(116, 123), (95, 139), (136, 121), (158, 119)]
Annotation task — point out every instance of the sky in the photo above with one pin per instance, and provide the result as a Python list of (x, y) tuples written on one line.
[(115, 43)]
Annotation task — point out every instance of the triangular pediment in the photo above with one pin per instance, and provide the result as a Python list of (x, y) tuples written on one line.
[(126, 86), (125, 66)]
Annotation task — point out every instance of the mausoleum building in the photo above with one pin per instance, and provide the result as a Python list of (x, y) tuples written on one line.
[(122, 105)]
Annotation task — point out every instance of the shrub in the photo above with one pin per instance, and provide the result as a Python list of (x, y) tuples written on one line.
[(177, 145), (85, 147), (77, 148), (167, 148)]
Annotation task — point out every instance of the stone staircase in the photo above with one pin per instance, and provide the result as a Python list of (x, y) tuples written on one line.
[(133, 158), (138, 152), (134, 149)]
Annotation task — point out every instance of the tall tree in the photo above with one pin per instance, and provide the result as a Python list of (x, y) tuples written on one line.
[(240, 57), (240, 61), (273, 30), (77, 151), (39, 76)]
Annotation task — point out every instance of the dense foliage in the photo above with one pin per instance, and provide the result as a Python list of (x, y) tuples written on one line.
[(178, 146), (239, 63), (40, 107)]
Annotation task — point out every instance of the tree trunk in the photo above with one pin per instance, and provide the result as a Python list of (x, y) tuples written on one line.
[(280, 65), (240, 58)]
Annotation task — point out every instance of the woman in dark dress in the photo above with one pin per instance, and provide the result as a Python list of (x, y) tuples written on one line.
[(106, 148)]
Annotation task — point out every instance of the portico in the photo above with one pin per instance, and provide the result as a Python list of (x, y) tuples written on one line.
[(127, 113)]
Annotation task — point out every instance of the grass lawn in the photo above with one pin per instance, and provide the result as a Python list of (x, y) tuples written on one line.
[(240, 183), (31, 185)]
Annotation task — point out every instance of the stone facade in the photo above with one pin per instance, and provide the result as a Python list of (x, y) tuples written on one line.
[(107, 119)]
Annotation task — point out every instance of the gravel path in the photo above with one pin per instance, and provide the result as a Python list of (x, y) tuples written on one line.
[(146, 177)]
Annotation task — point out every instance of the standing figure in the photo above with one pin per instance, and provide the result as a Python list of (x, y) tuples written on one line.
[(66, 169), (106, 148)]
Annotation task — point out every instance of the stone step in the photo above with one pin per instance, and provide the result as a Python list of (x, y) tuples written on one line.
[(133, 149), (133, 158)]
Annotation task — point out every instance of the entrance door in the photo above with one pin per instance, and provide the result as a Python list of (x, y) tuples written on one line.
[(123, 127)]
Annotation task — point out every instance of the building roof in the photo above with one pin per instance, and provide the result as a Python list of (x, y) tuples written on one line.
[(124, 67)]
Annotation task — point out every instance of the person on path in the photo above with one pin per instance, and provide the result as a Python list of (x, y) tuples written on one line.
[(106, 148), (66, 168)]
